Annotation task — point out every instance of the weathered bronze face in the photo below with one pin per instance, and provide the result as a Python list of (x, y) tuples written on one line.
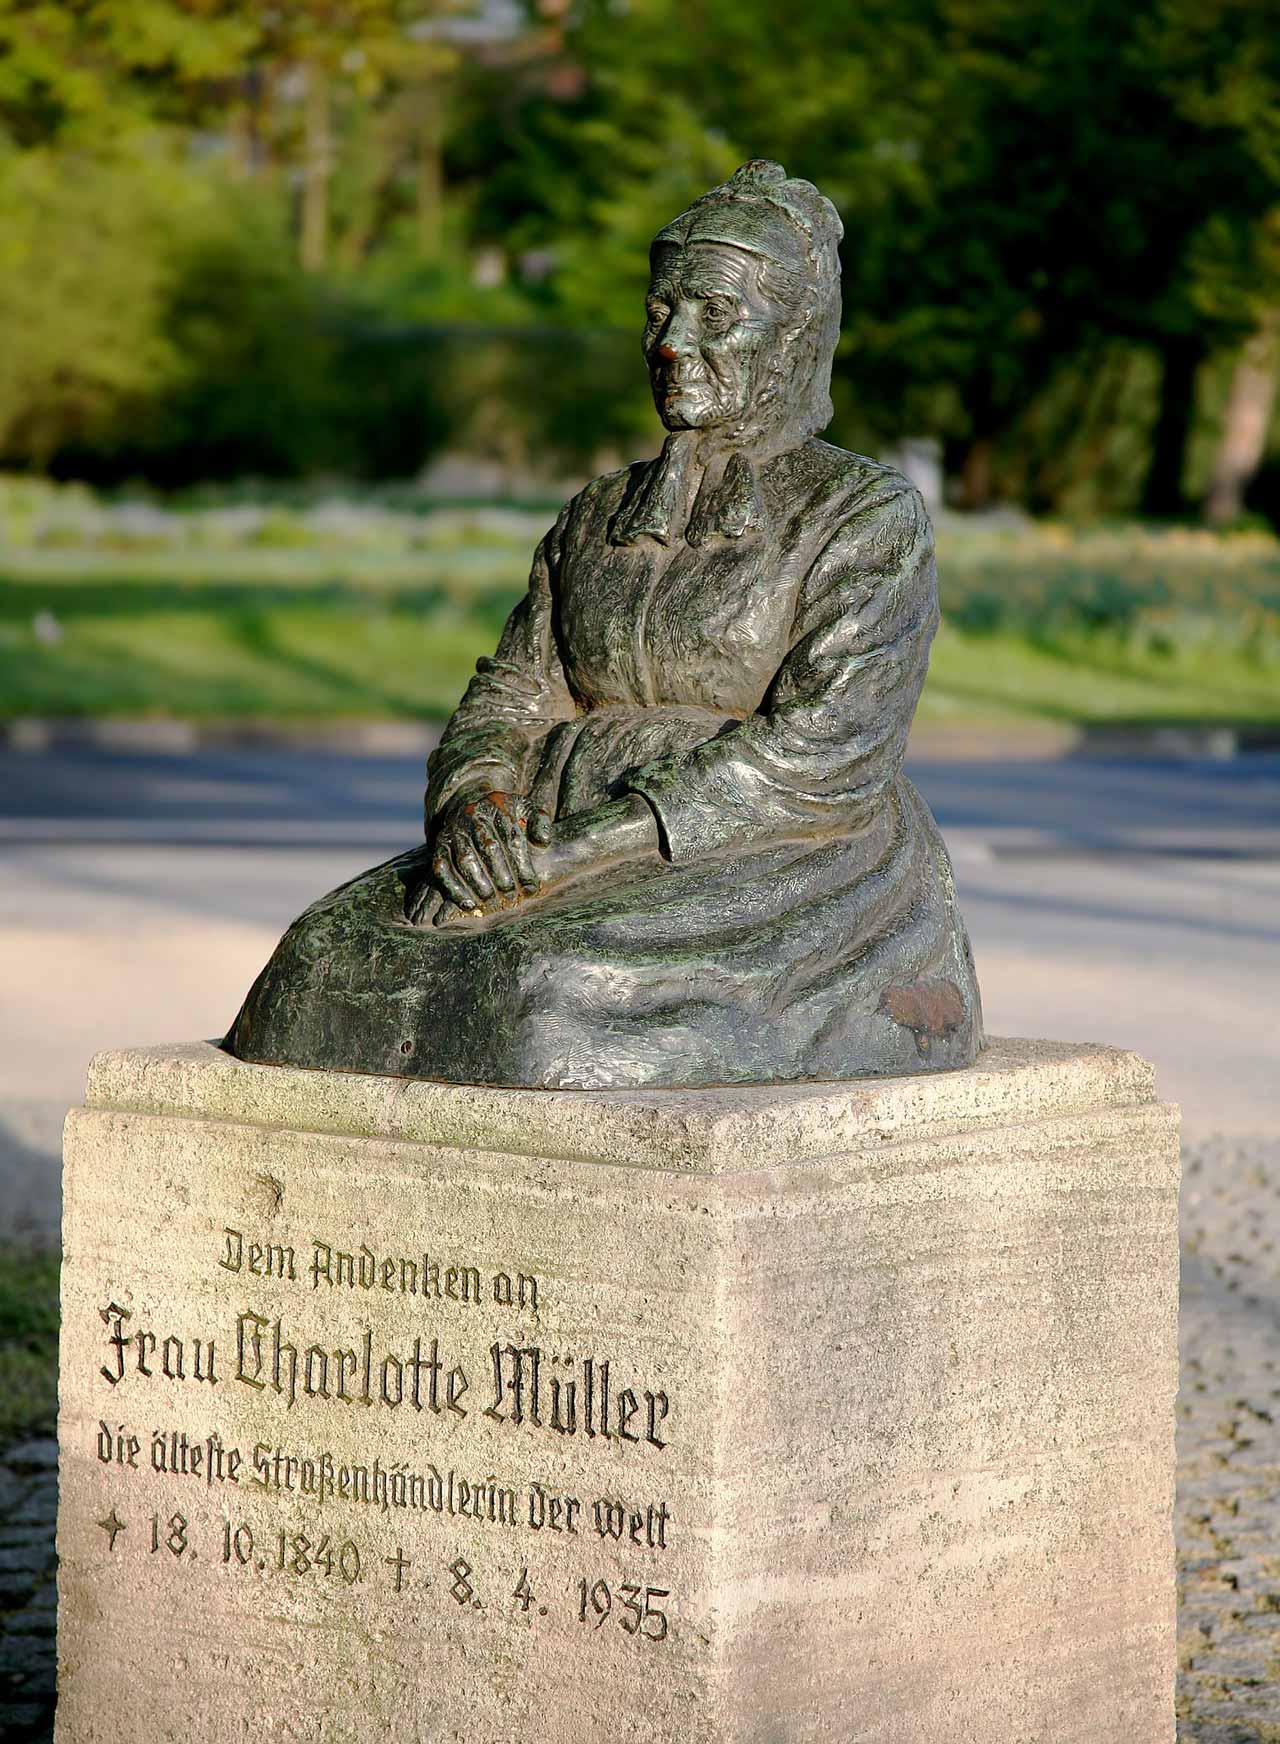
[(710, 327)]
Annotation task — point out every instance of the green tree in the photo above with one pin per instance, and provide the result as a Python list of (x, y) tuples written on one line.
[(94, 204), (1219, 62), (1023, 185), (146, 151)]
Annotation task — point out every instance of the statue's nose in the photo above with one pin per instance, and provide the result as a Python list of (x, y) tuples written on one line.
[(677, 340)]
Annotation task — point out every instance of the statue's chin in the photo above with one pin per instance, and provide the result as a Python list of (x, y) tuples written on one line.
[(693, 407), (678, 417)]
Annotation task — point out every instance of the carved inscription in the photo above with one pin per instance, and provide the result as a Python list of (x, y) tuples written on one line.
[(321, 1478), (422, 1376), (478, 1397), (247, 1547), (531, 1386), (335, 1268), (520, 1377)]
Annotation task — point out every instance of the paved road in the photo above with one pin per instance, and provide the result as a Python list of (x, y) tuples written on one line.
[(272, 797)]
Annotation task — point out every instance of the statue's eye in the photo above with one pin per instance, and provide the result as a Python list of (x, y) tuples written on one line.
[(658, 311), (719, 311)]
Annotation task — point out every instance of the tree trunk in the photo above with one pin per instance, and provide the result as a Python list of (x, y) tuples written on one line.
[(1162, 493), (245, 125), (977, 473), (1245, 422), (316, 170), (430, 191), (240, 133), (376, 150)]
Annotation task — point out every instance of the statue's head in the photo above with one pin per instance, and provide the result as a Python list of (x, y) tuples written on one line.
[(744, 309)]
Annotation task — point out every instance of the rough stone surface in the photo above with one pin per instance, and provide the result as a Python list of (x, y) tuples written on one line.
[(1229, 1445), (899, 1358), (1228, 1661), (707, 1131)]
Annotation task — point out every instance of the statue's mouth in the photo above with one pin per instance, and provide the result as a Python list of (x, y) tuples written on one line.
[(675, 377), (673, 386)]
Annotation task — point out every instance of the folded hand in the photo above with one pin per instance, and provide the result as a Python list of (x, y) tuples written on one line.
[(482, 854), (489, 856)]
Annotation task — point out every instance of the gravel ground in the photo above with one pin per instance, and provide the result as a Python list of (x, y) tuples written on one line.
[(28, 1597), (1228, 1511), (1228, 1514)]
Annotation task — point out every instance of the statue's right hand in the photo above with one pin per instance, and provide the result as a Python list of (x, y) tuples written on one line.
[(481, 851)]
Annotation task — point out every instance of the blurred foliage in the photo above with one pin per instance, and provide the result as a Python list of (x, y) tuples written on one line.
[(343, 235), (1027, 188)]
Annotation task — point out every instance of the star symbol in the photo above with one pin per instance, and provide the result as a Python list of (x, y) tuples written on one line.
[(113, 1525)]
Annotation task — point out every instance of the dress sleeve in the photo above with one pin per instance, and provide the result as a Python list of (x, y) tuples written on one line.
[(828, 739), (493, 736)]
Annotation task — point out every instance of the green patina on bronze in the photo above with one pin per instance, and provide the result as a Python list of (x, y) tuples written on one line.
[(668, 840)]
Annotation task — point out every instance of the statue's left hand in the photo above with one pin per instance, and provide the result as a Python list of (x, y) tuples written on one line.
[(481, 853), (584, 842)]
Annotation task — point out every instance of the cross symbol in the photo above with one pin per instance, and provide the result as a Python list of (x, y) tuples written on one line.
[(399, 1562), (112, 1525)]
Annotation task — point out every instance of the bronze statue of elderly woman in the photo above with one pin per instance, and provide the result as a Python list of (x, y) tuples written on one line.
[(669, 841)]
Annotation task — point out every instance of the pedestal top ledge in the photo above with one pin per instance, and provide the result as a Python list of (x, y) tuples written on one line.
[(711, 1132)]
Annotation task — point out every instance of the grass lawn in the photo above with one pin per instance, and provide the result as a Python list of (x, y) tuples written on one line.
[(28, 1344), (1095, 681), (384, 618)]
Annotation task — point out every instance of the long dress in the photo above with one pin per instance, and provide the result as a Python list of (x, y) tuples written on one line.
[(753, 676)]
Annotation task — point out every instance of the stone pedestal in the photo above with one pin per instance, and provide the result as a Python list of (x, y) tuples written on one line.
[(393, 1410)]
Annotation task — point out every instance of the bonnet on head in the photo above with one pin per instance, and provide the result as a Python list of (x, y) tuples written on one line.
[(787, 222), (703, 486)]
